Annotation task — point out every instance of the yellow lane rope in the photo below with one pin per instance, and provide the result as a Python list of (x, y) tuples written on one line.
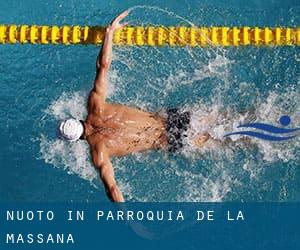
[(152, 35)]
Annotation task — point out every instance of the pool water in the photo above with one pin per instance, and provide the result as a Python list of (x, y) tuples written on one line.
[(43, 84)]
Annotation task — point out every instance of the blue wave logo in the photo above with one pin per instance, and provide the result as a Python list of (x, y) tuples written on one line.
[(279, 133)]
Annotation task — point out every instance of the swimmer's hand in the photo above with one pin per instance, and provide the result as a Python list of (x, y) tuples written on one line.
[(115, 24)]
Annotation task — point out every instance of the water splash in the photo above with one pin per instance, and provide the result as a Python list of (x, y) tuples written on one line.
[(215, 85), (74, 158), (192, 185)]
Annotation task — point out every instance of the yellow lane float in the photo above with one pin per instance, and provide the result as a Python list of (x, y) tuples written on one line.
[(152, 35)]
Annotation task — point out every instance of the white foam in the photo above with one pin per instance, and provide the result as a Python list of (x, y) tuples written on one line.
[(200, 188), (271, 110), (72, 157), (216, 121), (68, 105)]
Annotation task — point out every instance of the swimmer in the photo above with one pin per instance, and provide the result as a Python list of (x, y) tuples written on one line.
[(114, 130)]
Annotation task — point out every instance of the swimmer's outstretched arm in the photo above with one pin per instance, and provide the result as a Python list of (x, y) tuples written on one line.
[(105, 56), (103, 164)]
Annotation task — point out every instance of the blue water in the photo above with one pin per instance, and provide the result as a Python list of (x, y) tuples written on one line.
[(42, 84)]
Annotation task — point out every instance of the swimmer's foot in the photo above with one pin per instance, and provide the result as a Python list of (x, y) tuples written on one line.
[(200, 140)]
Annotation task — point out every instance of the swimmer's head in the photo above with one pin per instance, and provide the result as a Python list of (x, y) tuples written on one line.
[(70, 130)]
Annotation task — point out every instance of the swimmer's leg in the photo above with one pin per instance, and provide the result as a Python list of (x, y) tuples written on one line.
[(200, 140), (203, 138)]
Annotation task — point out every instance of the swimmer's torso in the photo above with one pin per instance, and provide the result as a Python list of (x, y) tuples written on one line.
[(124, 130)]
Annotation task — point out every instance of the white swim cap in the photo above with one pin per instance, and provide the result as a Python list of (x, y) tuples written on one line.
[(70, 130)]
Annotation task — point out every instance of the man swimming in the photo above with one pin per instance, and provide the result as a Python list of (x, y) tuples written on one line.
[(117, 130)]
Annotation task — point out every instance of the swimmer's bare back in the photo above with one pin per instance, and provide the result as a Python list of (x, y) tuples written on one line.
[(113, 129), (123, 130)]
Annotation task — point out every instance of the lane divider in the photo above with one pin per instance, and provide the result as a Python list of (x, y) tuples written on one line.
[(152, 35)]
